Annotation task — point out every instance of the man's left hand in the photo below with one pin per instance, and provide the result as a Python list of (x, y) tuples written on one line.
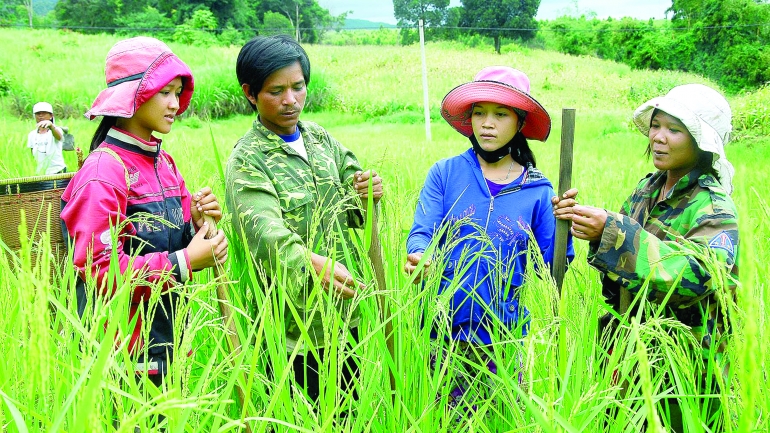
[(361, 184)]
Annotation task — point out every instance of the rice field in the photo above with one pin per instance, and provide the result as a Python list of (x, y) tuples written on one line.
[(60, 374)]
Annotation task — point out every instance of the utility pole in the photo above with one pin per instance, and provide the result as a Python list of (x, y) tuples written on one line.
[(30, 11), (297, 4), (425, 101)]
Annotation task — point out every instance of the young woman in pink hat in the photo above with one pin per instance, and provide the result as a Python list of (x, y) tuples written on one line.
[(128, 175), (481, 207)]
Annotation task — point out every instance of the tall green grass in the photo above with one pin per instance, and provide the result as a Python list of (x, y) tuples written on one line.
[(67, 69), (60, 373)]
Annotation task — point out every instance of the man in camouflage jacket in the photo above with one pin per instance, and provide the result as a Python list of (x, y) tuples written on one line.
[(287, 207), (294, 192)]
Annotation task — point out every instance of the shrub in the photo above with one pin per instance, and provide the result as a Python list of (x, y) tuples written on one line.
[(745, 66), (20, 103), (198, 29), (653, 86), (5, 84), (572, 35), (321, 94), (751, 112), (232, 36)]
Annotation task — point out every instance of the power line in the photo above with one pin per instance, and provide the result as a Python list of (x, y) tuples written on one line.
[(256, 30)]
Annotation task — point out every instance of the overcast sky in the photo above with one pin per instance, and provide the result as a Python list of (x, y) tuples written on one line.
[(382, 10)]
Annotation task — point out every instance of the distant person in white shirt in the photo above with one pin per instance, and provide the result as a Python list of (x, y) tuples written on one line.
[(46, 141)]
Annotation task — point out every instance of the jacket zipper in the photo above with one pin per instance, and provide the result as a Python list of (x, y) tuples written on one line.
[(491, 205), (165, 207)]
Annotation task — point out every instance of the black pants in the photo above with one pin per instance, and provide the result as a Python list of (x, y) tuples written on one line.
[(307, 376)]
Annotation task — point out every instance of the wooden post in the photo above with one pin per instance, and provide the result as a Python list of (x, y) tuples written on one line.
[(375, 255), (565, 183)]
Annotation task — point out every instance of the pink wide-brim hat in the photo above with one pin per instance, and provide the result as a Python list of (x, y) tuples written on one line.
[(502, 85), (137, 69)]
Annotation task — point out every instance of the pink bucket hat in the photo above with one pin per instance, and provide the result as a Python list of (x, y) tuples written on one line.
[(137, 69), (502, 85)]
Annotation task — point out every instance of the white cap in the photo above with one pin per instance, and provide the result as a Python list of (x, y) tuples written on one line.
[(42, 106)]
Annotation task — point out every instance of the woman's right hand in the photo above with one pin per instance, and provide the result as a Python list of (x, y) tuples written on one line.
[(410, 267), (335, 281), (588, 222), (562, 206), (205, 253)]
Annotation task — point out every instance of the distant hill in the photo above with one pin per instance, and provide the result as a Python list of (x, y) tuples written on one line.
[(351, 24)]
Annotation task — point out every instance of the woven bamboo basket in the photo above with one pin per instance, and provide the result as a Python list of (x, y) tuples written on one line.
[(34, 196)]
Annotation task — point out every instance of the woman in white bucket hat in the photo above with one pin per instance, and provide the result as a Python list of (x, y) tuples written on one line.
[(676, 236)]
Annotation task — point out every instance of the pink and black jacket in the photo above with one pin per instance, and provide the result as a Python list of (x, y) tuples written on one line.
[(98, 199)]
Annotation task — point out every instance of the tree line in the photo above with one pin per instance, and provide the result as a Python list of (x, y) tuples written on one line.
[(186, 21), (725, 40)]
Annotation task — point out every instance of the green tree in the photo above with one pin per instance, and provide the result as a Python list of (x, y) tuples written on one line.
[(729, 39), (276, 24), (12, 12), (84, 15), (307, 17), (236, 12), (498, 18), (408, 13)]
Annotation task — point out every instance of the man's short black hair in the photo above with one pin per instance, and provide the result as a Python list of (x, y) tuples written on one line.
[(264, 55)]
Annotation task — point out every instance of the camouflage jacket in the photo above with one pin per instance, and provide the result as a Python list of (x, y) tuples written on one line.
[(285, 207), (660, 241)]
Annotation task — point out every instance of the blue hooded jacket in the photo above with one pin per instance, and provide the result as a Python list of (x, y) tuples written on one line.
[(488, 237)]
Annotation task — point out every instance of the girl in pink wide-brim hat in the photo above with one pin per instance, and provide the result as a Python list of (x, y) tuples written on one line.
[(482, 209)]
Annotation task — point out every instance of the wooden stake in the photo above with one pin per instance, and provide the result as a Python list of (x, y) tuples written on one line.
[(565, 183), (227, 315), (375, 255)]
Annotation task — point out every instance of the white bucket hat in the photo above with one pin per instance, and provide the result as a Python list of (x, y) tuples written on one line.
[(706, 115)]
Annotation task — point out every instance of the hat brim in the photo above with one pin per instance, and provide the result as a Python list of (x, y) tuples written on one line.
[(706, 137), (457, 104), (123, 99)]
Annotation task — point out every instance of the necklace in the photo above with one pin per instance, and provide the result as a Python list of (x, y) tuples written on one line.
[(507, 175)]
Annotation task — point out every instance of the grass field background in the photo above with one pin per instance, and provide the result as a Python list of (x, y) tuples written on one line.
[(59, 375)]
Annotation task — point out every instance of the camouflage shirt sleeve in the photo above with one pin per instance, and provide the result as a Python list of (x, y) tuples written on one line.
[(673, 239)]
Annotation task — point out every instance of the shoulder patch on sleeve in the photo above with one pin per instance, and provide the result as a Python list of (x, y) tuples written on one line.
[(722, 240)]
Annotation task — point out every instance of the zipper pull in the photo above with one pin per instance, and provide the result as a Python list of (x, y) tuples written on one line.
[(492, 204)]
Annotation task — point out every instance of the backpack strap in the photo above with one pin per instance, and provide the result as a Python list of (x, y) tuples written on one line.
[(117, 157)]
